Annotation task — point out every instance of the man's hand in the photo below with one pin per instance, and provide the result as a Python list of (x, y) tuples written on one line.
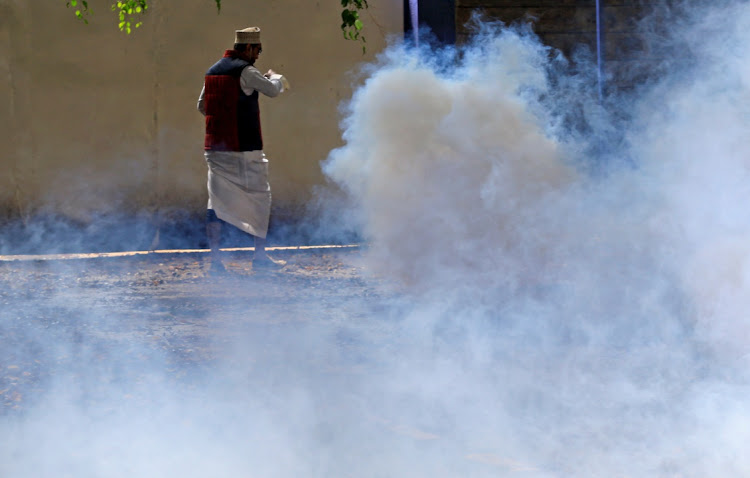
[(269, 73)]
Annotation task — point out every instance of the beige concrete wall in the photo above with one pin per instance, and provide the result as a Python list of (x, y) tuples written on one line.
[(92, 119)]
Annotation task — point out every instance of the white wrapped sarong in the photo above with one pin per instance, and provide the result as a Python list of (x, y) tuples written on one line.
[(238, 189)]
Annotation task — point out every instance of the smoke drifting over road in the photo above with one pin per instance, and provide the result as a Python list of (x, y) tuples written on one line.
[(587, 313), (574, 283)]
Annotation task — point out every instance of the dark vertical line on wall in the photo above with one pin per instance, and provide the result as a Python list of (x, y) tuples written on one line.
[(8, 20), (21, 111), (157, 58), (600, 46)]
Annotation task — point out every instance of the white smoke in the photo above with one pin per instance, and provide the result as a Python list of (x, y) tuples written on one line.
[(454, 158), (574, 282), (590, 325)]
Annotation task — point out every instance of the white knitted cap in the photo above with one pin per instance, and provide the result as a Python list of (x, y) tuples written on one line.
[(249, 35)]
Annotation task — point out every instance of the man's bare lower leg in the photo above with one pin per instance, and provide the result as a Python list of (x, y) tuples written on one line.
[(213, 232), (260, 247)]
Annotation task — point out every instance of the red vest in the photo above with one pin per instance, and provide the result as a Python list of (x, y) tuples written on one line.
[(232, 117)]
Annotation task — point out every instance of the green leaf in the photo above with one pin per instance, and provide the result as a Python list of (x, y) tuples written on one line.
[(74, 2), (351, 23)]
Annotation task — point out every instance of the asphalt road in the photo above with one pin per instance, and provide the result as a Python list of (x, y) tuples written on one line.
[(125, 316)]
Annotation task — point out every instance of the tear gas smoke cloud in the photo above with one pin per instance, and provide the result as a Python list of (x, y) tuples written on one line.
[(557, 322), (580, 321)]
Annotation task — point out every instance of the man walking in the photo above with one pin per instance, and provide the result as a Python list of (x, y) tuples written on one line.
[(238, 189)]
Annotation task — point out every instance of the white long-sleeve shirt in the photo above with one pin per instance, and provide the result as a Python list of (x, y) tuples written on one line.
[(251, 79)]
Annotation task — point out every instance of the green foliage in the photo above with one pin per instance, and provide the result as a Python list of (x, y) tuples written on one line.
[(80, 11), (126, 10), (351, 24)]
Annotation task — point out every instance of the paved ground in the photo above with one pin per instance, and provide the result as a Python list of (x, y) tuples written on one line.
[(124, 366), (59, 316), (130, 366)]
